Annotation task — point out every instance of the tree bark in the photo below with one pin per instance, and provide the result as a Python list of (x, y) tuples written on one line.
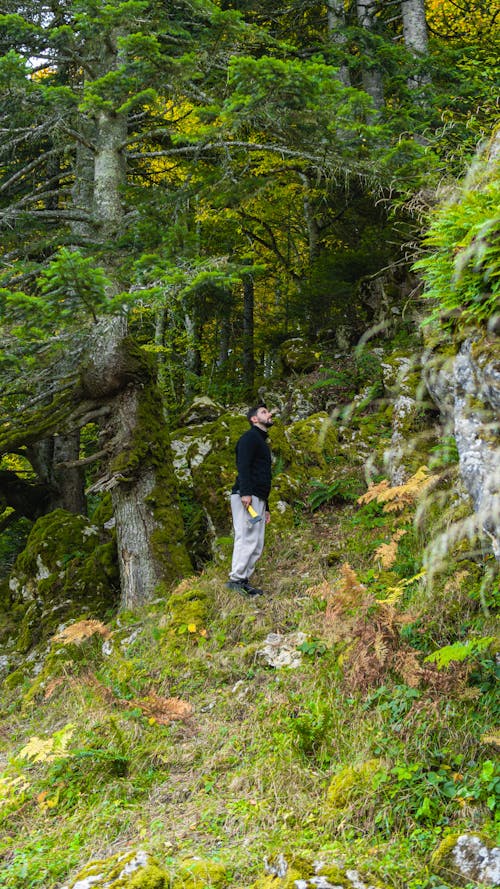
[(336, 21), (415, 26), (415, 35), (248, 333), (372, 76)]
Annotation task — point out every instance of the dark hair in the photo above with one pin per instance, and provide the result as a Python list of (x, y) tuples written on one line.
[(253, 410)]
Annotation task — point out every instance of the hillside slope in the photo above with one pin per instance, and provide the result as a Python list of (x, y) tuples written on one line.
[(348, 716)]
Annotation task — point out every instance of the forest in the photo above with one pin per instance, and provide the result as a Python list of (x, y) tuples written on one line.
[(205, 205)]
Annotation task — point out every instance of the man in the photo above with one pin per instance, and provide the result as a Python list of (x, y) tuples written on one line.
[(251, 489)]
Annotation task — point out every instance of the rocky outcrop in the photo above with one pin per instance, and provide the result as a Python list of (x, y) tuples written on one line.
[(466, 859), (466, 387)]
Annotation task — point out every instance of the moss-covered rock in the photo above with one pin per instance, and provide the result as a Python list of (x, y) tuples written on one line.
[(298, 355), (202, 410), (199, 873), (351, 783), (187, 609), (467, 858), (130, 870), (67, 571), (299, 872), (313, 441), (204, 463)]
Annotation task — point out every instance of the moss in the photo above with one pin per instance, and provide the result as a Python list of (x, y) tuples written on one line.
[(187, 607), (334, 875), (351, 782), (313, 441), (15, 679), (67, 571), (123, 871), (150, 448), (196, 873)]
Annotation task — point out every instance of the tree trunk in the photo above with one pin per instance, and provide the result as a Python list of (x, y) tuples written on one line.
[(415, 26), (336, 21), (69, 481), (248, 331), (372, 77), (67, 484), (109, 172), (140, 474), (415, 35)]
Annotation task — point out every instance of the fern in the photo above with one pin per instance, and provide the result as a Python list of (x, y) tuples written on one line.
[(459, 651)]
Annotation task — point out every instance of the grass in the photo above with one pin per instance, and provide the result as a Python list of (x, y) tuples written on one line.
[(246, 775)]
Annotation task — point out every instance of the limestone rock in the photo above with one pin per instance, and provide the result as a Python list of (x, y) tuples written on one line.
[(202, 410), (129, 870), (67, 571), (468, 859), (297, 355), (282, 651), (466, 388)]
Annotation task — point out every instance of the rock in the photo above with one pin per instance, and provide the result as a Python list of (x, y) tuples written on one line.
[(466, 387), (67, 571), (202, 410), (467, 858), (129, 870), (282, 651), (297, 355), (300, 873)]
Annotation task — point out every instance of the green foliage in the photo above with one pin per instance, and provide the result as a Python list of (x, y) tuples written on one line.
[(459, 651), (462, 270), (72, 282), (345, 489)]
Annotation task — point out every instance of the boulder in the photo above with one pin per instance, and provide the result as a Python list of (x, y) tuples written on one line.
[(467, 858), (67, 571), (298, 355), (202, 410), (126, 870)]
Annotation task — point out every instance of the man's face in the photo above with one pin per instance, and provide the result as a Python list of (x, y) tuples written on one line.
[(263, 418)]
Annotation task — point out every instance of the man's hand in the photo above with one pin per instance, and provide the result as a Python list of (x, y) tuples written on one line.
[(268, 517), (246, 500)]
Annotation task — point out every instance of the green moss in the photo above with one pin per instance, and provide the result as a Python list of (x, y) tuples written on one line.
[(66, 572), (313, 441), (351, 782), (123, 871), (187, 608), (197, 873), (334, 875)]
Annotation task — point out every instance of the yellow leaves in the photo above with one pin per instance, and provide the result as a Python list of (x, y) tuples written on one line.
[(9, 786), (46, 802), (397, 498), (48, 749), (387, 552), (81, 630)]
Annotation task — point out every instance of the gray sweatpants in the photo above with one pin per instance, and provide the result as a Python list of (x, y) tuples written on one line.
[(248, 538)]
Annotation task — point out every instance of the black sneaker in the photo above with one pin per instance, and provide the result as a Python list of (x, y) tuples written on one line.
[(251, 590), (243, 586), (237, 585)]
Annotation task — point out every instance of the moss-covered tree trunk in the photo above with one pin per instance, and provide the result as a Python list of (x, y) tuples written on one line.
[(149, 528), (140, 475)]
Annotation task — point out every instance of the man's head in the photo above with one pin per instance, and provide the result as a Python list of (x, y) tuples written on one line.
[(260, 416)]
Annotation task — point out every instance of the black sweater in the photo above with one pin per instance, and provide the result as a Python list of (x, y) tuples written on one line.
[(253, 462)]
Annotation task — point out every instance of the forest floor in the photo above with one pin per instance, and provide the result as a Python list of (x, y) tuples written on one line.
[(179, 737)]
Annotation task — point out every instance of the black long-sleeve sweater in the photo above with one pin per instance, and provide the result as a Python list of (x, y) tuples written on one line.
[(253, 462)]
